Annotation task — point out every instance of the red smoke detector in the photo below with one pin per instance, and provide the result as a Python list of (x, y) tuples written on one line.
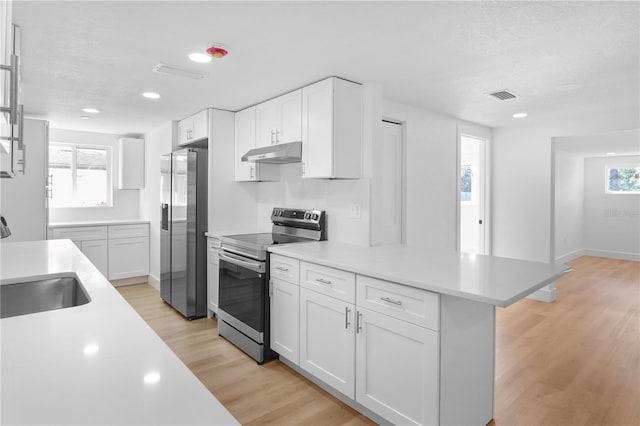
[(217, 52)]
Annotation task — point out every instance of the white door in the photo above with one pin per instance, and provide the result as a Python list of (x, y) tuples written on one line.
[(327, 346), (472, 194), (285, 317), (386, 186), (397, 369)]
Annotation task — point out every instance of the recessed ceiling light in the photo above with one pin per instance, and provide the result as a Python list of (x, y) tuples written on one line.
[(611, 153), (151, 95), (520, 115), (90, 110), (85, 117), (200, 58)]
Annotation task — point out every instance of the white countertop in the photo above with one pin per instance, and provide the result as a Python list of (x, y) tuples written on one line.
[(97, 223), (495, 280), (86, 365)]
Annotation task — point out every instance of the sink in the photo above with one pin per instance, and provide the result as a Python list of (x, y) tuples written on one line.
[(42, 295)]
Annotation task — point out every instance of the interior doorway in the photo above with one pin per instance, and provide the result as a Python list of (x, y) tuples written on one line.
[(387, 186), (472, 198)]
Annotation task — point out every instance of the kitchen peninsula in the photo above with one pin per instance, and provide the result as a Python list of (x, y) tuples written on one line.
[(97, 363), (402, 334)]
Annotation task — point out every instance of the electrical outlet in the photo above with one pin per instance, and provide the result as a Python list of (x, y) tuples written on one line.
[(354, 211)]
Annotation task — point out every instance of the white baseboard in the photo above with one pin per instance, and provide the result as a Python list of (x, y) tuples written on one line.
[(129, 281), (154, 282), (545, 294), (621, 255), (570, 256)]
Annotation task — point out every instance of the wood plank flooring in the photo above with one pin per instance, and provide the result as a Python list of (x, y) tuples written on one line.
[(575, 361)]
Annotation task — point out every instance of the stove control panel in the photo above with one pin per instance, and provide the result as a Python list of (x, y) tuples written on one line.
[(295, 216)]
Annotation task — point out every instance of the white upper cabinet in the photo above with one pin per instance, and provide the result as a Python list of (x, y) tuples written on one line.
[(279, 120), (245, 135), (194, 128), (332, 129), (131, 162)]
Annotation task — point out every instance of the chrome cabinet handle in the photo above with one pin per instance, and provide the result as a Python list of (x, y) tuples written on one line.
[(323, 281), (358, 326), (346, 317), (395, 302), (251, 172), (272, 135), (277, 136), (280, 268)]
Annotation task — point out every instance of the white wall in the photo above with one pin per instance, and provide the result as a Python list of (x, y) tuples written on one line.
[(569, 206), (522, 181), (431, 141), (158, 142), (126, 203), (612, 221), (232, 205)]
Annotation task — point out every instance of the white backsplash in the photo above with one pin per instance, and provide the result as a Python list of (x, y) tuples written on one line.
[(334, 196)]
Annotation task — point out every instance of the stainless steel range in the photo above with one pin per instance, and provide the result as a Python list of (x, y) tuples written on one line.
[(243, 312)]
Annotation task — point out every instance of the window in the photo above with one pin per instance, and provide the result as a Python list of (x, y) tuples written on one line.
[(623, 180), (80, 175), (466, 183)]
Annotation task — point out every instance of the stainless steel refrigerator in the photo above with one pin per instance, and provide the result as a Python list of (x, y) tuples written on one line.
[(183, 248)]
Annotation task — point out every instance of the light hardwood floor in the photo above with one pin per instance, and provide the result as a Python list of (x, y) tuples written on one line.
[(575, 361)]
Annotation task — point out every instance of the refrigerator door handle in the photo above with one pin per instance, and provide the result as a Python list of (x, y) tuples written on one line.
[(165, 217)]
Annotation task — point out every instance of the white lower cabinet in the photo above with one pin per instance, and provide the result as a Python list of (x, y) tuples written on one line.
[(327, 342), (285, 315), (213, 277), (128, 257), (97, 252), (397, 369)]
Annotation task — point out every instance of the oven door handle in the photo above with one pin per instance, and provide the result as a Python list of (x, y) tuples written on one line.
[(259, 267)]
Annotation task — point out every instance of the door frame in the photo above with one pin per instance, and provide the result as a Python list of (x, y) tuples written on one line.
[(488, 207), (403, 178)]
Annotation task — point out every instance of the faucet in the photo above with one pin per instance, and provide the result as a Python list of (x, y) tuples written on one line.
[(4, 228)]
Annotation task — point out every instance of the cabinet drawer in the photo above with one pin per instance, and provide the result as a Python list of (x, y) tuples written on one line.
[(81, 233), (329, 281), (285, 268), (410, 304), (129, 231)]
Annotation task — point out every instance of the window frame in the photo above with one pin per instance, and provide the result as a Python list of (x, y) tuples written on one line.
[(607, 171), (74, 168)]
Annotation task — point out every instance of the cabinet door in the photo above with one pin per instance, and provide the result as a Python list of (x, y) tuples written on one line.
[(266, 122), (317, 130), (290, 125), (128, 257), (131, 163), (327, 346), (184, 129), (213, 280), (397, 369), (245, 122), (96, 252), (200, 126), (285, 315)]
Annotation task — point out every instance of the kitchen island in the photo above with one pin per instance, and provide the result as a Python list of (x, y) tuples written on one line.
[(404, 335), (97, 363)]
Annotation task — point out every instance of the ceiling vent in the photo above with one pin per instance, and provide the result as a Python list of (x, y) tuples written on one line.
[(503, 95), (178, 72)]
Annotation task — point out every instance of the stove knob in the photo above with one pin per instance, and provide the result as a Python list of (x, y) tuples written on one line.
[(315, 216), (307, 215)]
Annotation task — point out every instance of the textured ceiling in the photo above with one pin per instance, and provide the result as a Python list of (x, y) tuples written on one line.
[(441, 56)]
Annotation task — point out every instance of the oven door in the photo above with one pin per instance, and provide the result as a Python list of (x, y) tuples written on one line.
[(243, 292)]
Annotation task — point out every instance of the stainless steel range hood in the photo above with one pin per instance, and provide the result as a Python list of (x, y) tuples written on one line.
[(275, 154)]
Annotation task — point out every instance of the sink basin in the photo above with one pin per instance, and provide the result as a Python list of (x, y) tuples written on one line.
[(42, 295)]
